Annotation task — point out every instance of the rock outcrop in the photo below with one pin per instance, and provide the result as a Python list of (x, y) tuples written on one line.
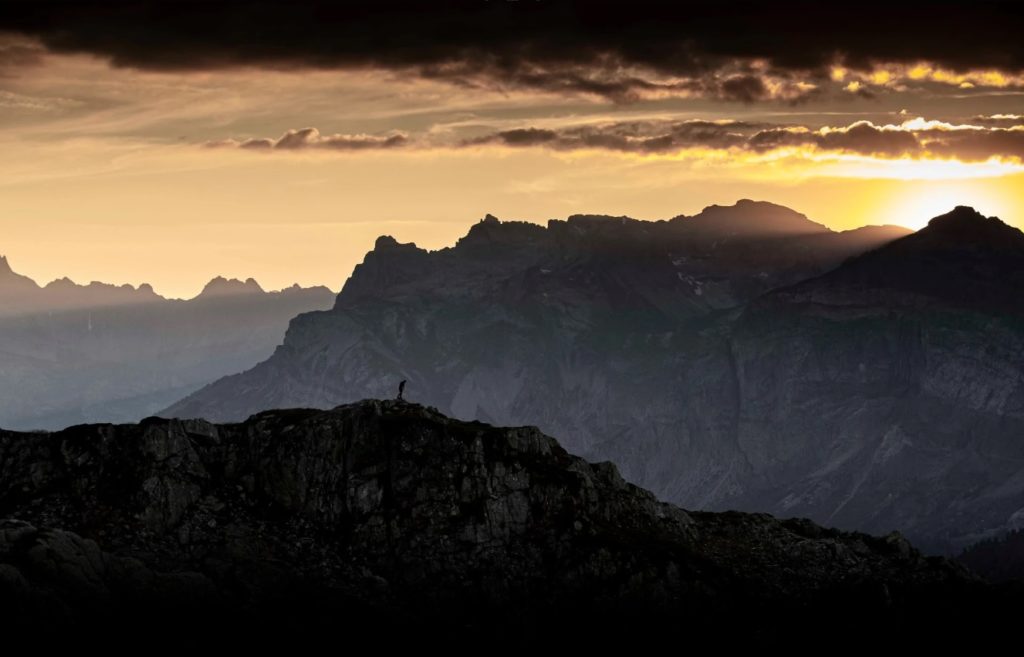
[(395, 524)]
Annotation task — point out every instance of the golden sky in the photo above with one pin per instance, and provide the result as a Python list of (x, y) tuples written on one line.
[(124, 173)]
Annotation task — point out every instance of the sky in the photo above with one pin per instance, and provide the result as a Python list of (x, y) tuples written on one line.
[(172, 142)]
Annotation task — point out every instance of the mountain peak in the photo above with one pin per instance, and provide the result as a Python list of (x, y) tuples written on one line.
[(965, 229), (5, 267), (751, 218), (961, 258), (964, 225), (959, 214), (221, 286)]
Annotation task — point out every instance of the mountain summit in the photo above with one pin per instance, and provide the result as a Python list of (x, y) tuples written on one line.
[(960, 258), (220, 286), (751, 218), (970, 225)]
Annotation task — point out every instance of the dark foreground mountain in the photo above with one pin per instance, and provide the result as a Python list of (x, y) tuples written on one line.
[(998, 559), (721, 360), (75, 353), (385, 522)]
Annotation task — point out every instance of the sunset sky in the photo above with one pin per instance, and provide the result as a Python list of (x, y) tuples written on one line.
[(169, 144)]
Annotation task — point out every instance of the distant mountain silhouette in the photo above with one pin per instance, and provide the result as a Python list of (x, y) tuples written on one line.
[(221, 286), (21, 295), (73, 353)]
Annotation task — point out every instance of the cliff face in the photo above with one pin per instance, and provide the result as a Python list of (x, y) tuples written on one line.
[(397, 516)]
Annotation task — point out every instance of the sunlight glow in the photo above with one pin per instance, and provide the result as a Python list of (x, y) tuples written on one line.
[(860, 166), (915, 207)]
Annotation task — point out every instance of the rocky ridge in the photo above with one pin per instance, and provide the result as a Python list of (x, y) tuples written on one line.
[(395, 516)]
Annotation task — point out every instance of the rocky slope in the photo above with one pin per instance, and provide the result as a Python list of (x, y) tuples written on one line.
[(74, 353), (390, 523)]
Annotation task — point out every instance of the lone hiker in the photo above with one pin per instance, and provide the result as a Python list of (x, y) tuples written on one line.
[(401, 389)]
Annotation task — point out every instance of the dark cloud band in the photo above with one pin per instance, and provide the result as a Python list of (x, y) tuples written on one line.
[(611, 49)]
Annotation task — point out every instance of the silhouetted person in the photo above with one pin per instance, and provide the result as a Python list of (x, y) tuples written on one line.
[(401, 389)]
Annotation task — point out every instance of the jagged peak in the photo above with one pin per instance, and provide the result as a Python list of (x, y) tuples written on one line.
[(491, 230), (62, 282), (389, 243), (966, 221), (599, 219), (295, 288), (10, 277), (220, 286), (965, 227), (959, 214)]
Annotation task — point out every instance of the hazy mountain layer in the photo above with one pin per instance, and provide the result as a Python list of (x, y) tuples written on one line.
[(76, 353), (387, 523)]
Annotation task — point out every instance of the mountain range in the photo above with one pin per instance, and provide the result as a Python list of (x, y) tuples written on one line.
[(74, 353), (386, 524), (744, 357)]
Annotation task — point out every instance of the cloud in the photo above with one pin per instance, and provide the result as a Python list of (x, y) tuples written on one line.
[(605, 48), (912, 138), (627, 137), (15, 101), (18, 52), (865, 138), (310, 138), (746, 88), (999, 120)]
